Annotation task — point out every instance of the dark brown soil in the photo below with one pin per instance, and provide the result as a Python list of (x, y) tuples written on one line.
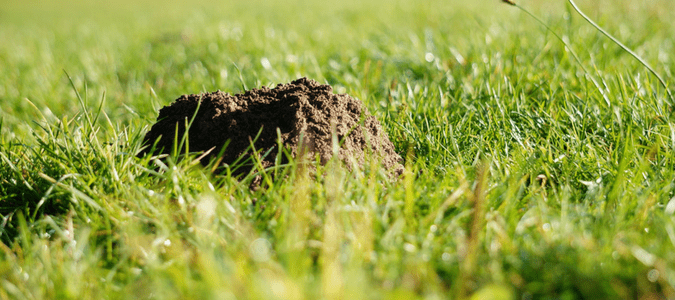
[(302, 109)]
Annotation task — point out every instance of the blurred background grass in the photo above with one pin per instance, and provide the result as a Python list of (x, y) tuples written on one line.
[(144, 54)]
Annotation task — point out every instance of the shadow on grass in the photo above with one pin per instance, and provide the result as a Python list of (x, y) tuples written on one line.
[(23, 190)]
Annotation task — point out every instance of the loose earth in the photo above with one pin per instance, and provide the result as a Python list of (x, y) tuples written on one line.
[(303, 115)]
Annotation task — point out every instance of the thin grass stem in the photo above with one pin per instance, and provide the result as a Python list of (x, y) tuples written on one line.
[(625, 48)]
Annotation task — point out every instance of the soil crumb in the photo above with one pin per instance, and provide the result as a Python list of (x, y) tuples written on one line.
[(304, 112)]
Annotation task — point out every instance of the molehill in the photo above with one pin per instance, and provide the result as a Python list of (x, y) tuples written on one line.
[(305, 113)]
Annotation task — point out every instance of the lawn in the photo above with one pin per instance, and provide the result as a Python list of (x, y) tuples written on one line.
[(533, 170)]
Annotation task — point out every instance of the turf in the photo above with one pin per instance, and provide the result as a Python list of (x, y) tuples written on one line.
[(529, 174)]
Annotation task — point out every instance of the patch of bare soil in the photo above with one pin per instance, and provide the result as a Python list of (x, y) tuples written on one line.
[(305, 113)]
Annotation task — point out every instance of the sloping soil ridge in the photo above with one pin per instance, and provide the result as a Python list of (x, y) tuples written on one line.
[(302, 109)]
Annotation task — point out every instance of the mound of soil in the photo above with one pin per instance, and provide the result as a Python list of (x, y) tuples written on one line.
[(305, 112)]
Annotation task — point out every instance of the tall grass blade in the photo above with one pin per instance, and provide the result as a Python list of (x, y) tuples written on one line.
[(625, 48)]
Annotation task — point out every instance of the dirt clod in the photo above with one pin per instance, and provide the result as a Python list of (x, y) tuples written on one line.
[(305, 113)]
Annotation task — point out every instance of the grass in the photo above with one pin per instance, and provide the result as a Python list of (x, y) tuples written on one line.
[(529, 174)]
